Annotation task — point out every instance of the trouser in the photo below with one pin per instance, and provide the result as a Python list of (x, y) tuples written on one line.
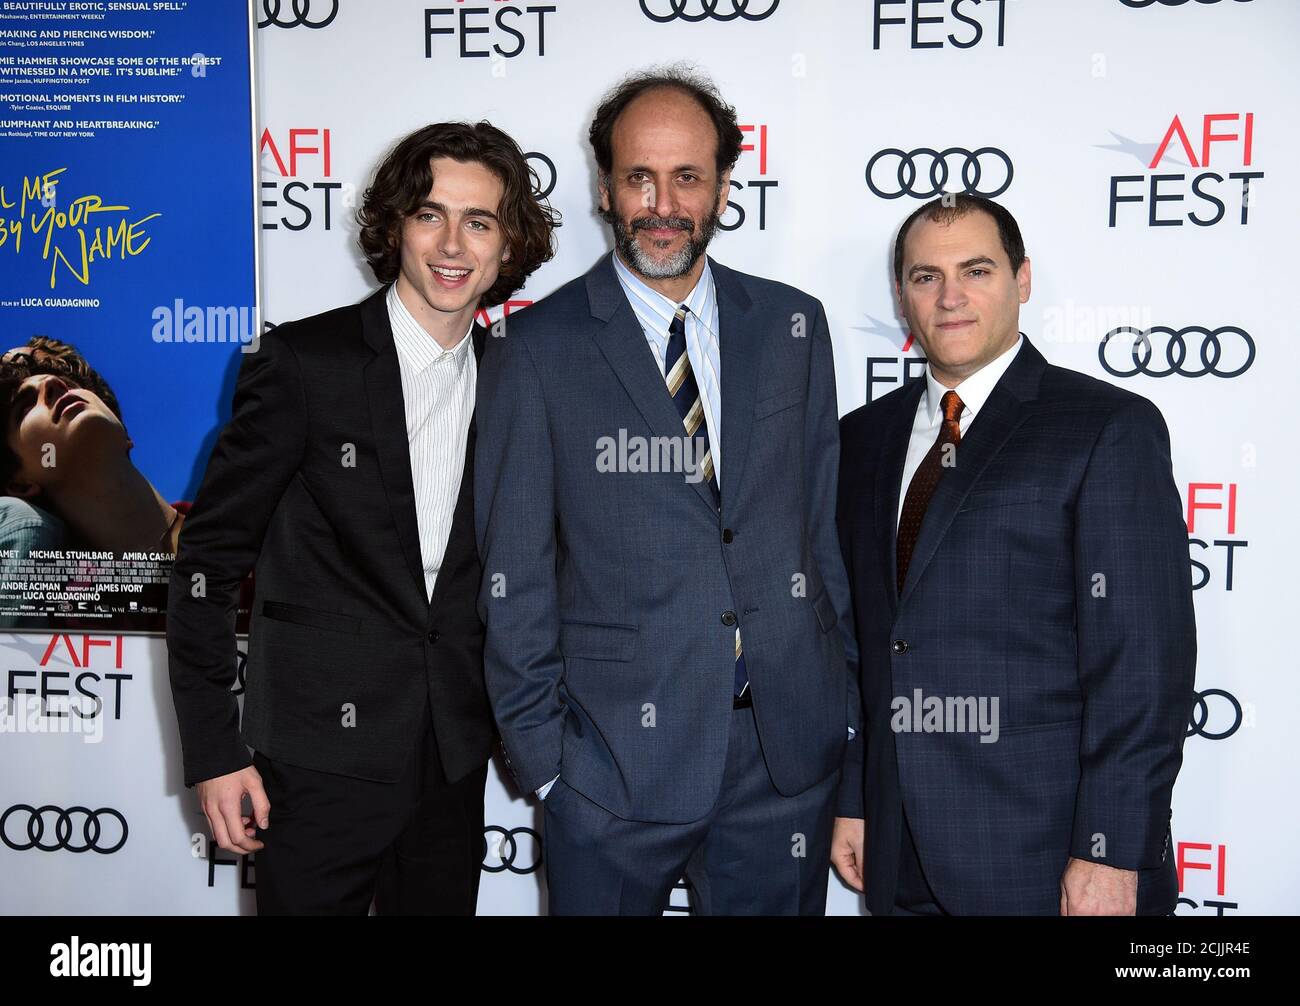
[(755, 853), (335, 842)]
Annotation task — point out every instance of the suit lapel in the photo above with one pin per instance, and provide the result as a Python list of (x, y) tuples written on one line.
[(740, 358), (623, 344), (889, 480), (383, 382), (1005, 409)]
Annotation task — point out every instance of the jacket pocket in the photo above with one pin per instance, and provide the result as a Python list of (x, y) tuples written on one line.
[(312, 617), (598, 641), (979, 499), (826, 616), (777, 403)]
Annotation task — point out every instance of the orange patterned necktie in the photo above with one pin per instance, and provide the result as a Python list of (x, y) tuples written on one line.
[(925, 480)]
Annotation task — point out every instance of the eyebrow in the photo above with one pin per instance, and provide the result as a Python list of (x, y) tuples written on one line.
[(471, 211), (649, 170), (977, 260)]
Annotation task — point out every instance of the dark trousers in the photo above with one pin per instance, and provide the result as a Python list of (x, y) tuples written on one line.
[(335, 843), (755, 853)]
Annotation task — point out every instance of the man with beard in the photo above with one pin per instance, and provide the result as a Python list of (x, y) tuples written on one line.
[(665, 601)]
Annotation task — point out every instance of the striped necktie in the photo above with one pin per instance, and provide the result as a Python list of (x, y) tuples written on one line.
[(686, 396)]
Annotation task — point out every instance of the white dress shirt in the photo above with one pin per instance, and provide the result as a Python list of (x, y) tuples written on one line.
[(438, 389), (973, 392)]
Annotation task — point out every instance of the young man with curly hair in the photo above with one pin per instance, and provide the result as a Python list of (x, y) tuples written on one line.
[(345, 478)]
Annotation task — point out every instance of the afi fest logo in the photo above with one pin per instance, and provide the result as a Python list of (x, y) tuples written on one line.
[(1200, 172), (297, 187), (1203, 872), (1215, 533), (480, 33), (938, 24), (755, 144)]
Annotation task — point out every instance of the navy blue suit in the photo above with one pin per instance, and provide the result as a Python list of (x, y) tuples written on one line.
[(1051, 571), (611, 598)]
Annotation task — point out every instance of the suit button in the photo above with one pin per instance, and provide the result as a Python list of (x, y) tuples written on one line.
[(727, 536), (433, 636), (728, 618), (900, 646)]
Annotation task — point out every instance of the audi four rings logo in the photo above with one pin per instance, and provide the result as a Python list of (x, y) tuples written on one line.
[(303, 14), (701, 10), (1170, 3), (1199, 725), (1214, 345), (89, 824), (506, 850), (939, 166)]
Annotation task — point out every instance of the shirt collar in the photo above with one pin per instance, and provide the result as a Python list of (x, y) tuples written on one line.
[(417, 348), (975, 390), (649, 304)]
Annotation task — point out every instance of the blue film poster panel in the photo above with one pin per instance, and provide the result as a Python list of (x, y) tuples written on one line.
[(127, 288)]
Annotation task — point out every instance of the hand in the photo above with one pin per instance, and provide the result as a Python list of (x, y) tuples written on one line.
[(846, 849), (1089, 888), (222, 801)]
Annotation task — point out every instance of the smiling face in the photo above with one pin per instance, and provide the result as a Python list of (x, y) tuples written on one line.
[(452, 246), (59, 430), (664, 195), (960, 295)]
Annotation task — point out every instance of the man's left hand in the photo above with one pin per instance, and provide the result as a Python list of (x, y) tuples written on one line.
[(1089, 888)]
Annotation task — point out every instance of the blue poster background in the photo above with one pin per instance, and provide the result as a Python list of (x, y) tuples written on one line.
[(195, 169)]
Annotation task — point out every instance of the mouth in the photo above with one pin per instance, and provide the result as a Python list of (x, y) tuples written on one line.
[(450, 277), (67, 401), (661, 233), (952, 326)]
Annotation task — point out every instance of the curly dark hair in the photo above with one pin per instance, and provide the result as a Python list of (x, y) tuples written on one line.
[(43, 355), (678, 77), (402, 182)]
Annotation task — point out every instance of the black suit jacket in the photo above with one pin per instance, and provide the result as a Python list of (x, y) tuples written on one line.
[(1051, 573), (311, 481)]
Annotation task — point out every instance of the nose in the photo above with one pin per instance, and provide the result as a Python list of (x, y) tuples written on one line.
[(951, 296), (51, 389), (449, 242), (661, 198)]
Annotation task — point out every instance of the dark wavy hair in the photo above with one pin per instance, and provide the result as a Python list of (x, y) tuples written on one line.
[(678, 78), (402, 182), (43, 355), (954, 206)]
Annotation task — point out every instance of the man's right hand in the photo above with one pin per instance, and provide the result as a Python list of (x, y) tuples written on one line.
[(847, 841), (222, 802)]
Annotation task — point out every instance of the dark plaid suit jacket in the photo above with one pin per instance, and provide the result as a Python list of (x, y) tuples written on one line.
[(1051, 573)]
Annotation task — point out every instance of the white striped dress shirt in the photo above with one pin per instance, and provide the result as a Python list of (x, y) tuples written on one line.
[(438, 388)]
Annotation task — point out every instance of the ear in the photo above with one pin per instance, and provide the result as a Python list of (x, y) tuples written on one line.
[(725, 192), (602, 184), (1024, 280)]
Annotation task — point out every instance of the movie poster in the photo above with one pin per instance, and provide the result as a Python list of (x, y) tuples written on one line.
[(128, 291)]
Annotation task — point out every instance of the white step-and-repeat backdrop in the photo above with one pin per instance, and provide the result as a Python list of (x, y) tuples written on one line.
[(1148, 149)]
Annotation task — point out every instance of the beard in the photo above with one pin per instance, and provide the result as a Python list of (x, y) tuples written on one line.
[(680, 262)]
